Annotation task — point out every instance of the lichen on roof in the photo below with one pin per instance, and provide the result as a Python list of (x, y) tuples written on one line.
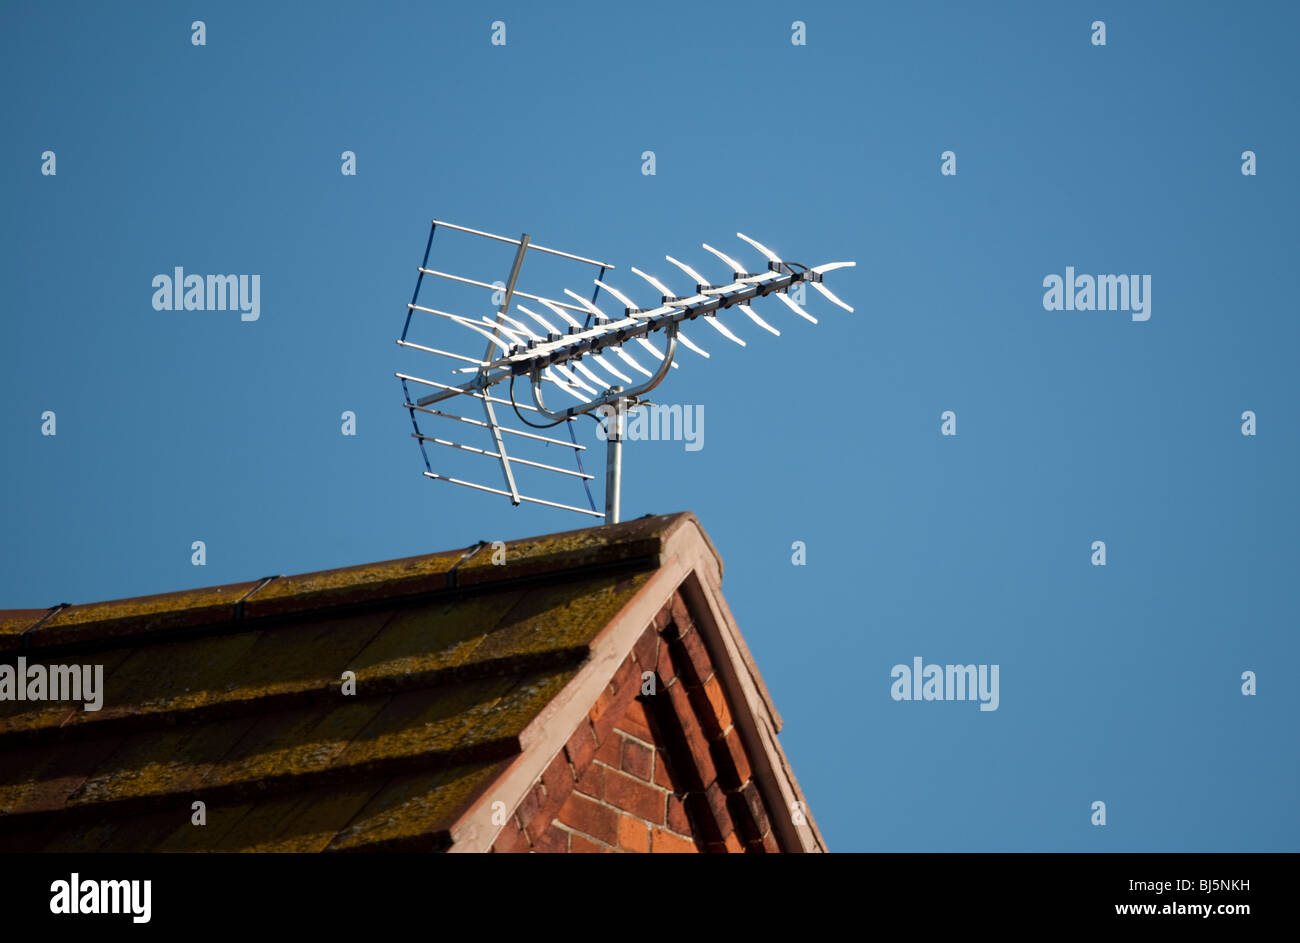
[(234, 696)]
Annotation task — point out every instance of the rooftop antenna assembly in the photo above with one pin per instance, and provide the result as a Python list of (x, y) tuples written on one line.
[(584, 360)]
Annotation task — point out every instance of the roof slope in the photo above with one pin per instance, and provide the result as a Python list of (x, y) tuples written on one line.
[(468, 668)]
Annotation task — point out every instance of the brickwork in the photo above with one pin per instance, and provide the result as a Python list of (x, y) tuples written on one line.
[(649, 772)]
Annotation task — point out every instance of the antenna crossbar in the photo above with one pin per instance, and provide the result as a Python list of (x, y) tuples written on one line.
[(522, 497), (498, 455), (478, 422), (494, 287), (515, 242)]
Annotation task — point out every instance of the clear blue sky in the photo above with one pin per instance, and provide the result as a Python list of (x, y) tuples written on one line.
[(1120, 684)]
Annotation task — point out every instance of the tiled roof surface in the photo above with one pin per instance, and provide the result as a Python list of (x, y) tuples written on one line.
[(232, 695)]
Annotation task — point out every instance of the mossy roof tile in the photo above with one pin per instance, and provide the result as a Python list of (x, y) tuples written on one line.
[(233, 695), (99, 621), (14, 622)]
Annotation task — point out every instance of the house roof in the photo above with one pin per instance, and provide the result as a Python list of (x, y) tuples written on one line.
[(472, 668)]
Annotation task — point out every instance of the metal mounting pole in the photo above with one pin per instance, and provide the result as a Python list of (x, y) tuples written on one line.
[(614, 459)]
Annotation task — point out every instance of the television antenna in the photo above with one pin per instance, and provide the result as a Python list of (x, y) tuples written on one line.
[(575, 347)]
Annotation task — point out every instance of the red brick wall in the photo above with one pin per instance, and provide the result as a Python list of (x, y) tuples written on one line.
[(661, 772)]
